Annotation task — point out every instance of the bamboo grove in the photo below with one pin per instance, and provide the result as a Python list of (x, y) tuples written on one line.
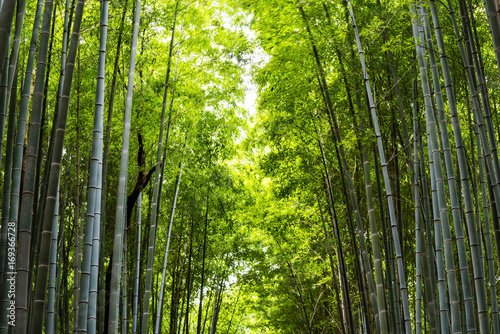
[(143, 194)]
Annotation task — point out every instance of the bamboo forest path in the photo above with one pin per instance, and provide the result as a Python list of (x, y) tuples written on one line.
[(249, 166)]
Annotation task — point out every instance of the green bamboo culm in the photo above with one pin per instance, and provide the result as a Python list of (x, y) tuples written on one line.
[(101, 301), (8, 79), (24, 241), (16, 42), (6, 206), (441, 194), (418, 222), (40, 206), (433, 307), (491, 161), (457, 219), (155, 208), (36, 318), (87, 310), (474, 239), (375, 243), (124, 303), (135, 300), (3, 107), (8, 176), (366, 267), (50, 323), (494, 23), (394, 228), (159, 311), (6, 16), (26, 205), (473, 52), (9, 153), (120, 206), (495, 318)]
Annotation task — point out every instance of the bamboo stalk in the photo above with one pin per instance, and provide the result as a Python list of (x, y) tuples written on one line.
[(394, 228), (96, 167), (156, 188), (36, 319), (162, 285), (121, 199), (474, 240), (135, 301), (50, 323)]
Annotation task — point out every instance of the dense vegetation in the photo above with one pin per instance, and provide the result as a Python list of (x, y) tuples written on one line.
[(140, 193)]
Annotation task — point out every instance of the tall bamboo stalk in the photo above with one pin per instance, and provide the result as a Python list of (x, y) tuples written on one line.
[(162, 286), (7, 178), (366, 268), (202, 283), (441, 196), (87, 310), (394, 228), (26, 214), (135, 301), (3, 107), (36, 319), (494, 23), (76, 222), (332, 268), (104, 194), (474, 240), (418, 222), (477, 267), (11, 69), (16, 42), (375, 243), (50, 323), (488, 244), (156, 188), (120, 206), (6, 16), (491, 163)]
